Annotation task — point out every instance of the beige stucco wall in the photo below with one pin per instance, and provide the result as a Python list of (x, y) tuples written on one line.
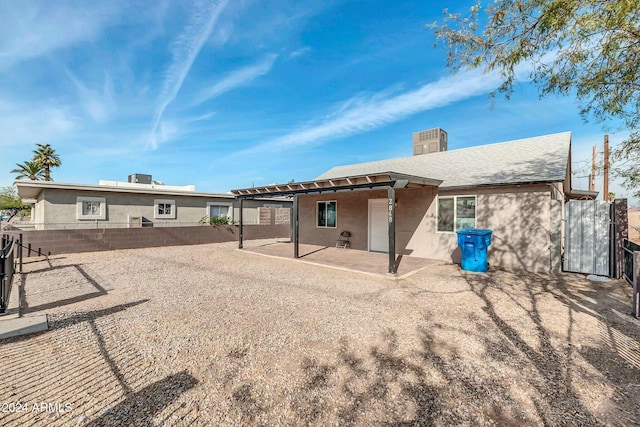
[(520, 217), (353, 216), (57, 208), (558, 191)]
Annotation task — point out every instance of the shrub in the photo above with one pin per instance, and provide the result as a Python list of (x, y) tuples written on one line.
[(214, 220)]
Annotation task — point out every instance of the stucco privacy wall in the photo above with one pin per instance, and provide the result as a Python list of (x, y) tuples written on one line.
[(520, 218), (58, 207)]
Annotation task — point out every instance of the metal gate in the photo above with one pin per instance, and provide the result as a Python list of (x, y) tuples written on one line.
[(586, 248)]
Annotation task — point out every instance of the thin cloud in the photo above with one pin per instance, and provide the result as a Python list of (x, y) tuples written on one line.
[(201, 117), (359, 115), (299, 52), (237, 78), (27, 124), (185, 50), (31, 30), (98, 106)]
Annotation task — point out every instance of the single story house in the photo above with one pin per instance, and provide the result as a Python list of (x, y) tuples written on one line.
[(113, 204), (413, 206)]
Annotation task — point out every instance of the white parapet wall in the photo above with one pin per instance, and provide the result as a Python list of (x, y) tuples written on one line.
[(121, 184)]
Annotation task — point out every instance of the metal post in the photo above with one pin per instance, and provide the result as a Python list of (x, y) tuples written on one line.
[(636, 285), (296, 231), (29, 250), (20, 252), (621, 233), (240, 227), (391, 195)]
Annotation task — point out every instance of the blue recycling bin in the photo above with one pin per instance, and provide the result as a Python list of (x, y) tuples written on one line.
[(473, 243)]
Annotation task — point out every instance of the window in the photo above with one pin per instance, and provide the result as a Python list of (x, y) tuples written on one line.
[(164, 209), (326, 214), (91, 208), (217, 209), (456, 213)]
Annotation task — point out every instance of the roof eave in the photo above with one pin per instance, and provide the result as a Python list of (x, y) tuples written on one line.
[(503, 184), (41, 185)]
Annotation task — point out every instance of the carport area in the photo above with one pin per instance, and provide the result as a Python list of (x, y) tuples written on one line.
[(385, 219), (374, 263)]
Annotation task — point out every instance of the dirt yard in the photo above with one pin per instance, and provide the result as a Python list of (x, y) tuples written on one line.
[(634, 224), (208, 335)]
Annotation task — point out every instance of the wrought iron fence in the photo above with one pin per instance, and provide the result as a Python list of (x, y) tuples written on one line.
[(627, 264), (7, 268)]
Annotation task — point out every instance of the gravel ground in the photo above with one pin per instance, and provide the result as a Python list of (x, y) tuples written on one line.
[(208, 335)]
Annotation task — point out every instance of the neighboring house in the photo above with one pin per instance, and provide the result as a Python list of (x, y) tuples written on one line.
[(114, 204), (516, 188)]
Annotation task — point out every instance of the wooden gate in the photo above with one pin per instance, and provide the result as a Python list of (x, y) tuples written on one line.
[(586, 248)]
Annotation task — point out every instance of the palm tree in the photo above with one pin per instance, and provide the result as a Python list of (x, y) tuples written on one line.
[(46, 157), (32, 170)]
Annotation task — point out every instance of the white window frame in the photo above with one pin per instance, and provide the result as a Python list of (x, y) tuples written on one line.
[(455, 211), (230, 205), (102, 215), (318, 208), (156, 206)]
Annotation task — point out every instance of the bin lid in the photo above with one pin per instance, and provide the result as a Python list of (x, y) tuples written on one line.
[(474, 231)]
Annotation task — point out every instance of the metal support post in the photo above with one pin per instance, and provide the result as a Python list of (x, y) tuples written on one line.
[(391, 195), (240, 226), (296, 229)]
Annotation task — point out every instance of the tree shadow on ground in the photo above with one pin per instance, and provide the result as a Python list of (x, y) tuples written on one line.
[(523, 361), (387, 387), (24, 301), (618, 356), (99, 372), (554, 356), (555, 377), (139, 408)]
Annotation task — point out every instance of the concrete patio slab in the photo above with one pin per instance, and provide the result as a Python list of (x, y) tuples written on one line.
[(22, 326), (373, 263), (11, 324)]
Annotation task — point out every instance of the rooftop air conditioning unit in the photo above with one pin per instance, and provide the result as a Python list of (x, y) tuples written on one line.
[(140, 178), (429, 141)]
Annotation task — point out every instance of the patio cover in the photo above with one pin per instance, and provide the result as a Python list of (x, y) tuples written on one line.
[(388, 180)]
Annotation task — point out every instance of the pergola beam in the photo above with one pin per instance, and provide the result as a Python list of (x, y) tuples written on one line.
[(397, 180)]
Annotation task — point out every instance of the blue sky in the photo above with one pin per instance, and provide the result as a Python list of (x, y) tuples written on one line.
[(226, 94)]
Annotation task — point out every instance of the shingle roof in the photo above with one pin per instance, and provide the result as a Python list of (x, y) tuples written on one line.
[(539, 159)]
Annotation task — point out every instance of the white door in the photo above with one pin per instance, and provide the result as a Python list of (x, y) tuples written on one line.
[(378, 225)]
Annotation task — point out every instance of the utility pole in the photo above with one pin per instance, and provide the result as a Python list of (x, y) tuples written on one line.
[(592, 177), (606, 169)]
